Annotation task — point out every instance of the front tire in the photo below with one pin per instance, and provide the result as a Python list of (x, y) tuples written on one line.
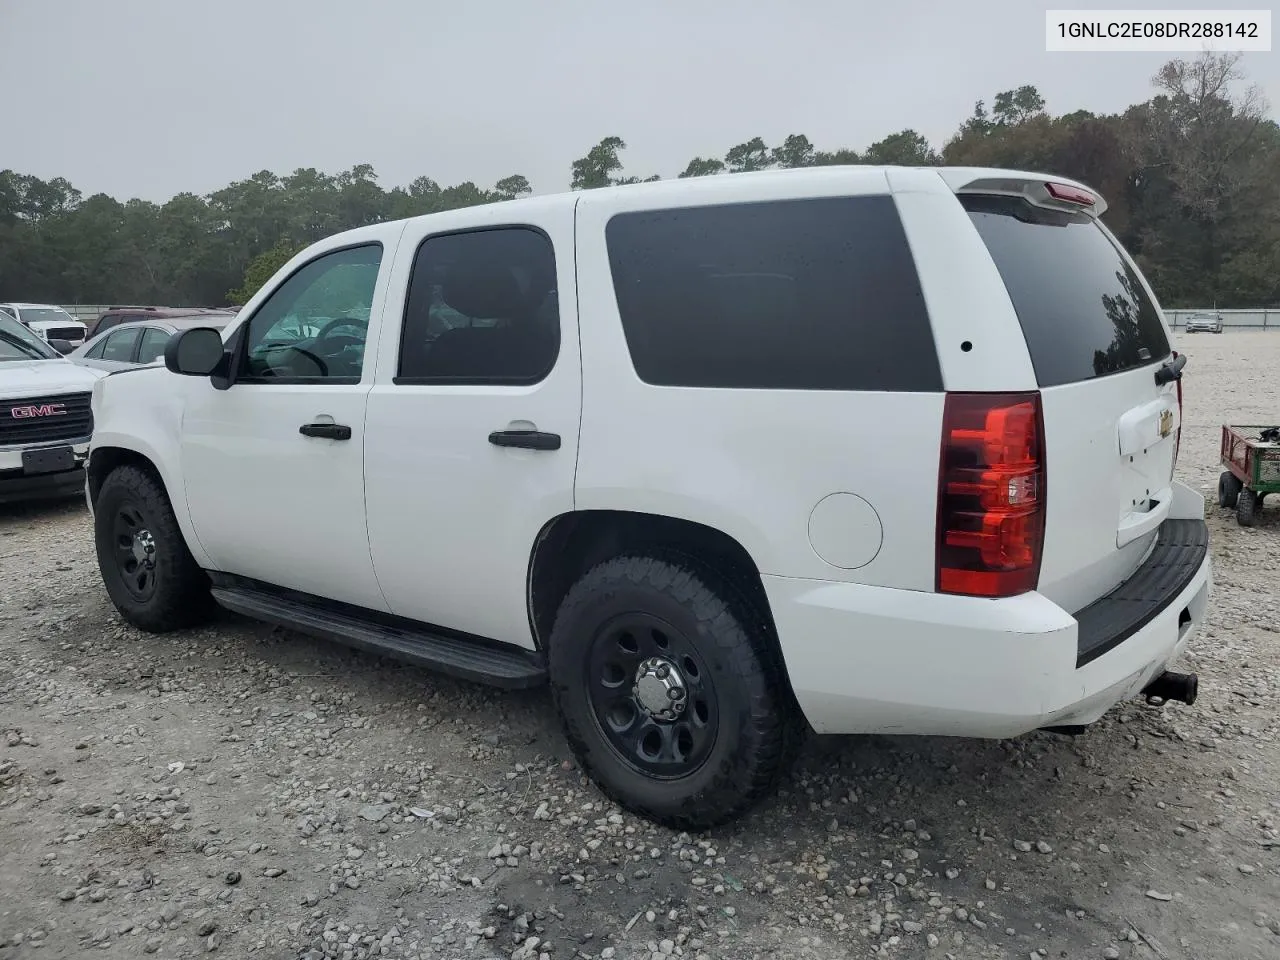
[(146, 567), (671, 693)]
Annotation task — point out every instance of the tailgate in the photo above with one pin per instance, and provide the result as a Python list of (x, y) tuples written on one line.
[(1096, 340)]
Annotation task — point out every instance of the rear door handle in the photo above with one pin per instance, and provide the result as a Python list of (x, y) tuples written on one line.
[(528, 439), (327, 431)]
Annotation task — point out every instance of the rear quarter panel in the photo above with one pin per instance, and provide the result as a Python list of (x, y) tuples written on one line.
[(754, 463)]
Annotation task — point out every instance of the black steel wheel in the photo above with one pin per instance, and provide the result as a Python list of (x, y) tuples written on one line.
[(1229, 488), (653, 695), (671, 689), (135, 551), (146, 567)]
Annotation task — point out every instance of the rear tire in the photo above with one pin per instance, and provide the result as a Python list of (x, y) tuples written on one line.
[(1229, 488), (146, 567), (637, 631), (1247, 508)]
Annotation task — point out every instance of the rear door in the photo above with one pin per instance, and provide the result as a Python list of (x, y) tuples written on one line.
[(471, 439), (1096, 339)]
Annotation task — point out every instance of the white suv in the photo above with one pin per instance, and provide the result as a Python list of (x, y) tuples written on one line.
[(883, 450)]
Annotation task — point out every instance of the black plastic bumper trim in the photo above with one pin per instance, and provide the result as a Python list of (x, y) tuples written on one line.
[(1109, 621), (17, 487)]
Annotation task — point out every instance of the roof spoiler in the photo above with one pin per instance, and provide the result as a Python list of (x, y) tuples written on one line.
[(1053, 193)]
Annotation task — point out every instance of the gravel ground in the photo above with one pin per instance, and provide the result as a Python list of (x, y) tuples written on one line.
[(243, 791)]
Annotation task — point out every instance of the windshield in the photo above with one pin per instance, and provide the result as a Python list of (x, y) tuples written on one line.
[(46, 315), (19, 343)]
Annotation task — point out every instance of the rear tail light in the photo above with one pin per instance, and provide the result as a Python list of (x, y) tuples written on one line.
[(1177, 440), (991, 494)]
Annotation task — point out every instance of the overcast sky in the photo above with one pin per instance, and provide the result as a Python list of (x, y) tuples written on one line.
[(151, 97)]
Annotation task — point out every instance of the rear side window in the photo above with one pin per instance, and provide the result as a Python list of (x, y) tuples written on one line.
[(1082, 308), (119, 345), (785, 295), (153, 344)]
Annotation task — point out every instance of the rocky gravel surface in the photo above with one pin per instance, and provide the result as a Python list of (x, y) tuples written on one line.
[(241, 791)]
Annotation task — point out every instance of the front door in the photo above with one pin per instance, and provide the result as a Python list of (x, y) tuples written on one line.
[(473, 418), (274, 465)]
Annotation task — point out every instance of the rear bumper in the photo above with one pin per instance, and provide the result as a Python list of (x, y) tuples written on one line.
[(875, 660)]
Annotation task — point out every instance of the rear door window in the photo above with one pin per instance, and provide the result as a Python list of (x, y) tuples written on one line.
[(120, 345), (815, 294), (153, 343), (1082, 308)]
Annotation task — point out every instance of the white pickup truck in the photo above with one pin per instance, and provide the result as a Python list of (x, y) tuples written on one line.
[(851, 449), (50, 323), (45, 417)]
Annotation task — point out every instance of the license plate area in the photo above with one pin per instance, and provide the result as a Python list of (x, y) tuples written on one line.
[(49, 460)]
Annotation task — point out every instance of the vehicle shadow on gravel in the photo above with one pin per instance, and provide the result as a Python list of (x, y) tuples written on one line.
[(25, 512)]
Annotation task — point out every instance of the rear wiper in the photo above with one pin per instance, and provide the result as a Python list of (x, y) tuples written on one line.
[(1171, 370)]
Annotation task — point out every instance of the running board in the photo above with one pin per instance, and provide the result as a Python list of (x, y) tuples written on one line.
[(477, 660)]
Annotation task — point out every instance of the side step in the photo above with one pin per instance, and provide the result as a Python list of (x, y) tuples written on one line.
[(477, 660)]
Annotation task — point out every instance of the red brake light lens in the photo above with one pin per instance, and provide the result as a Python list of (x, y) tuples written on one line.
[(1177, 440), (1069, 194), (991, 494)]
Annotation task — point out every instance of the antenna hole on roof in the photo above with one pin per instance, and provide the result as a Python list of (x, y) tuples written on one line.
[(966, 346)]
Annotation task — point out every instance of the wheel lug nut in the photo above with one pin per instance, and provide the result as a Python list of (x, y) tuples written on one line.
[(663, 671), (675, 693)]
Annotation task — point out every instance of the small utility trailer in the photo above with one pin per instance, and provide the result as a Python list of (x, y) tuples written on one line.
[(1251, 455)]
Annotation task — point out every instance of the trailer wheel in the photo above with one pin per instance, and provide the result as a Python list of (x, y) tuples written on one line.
[(1228, 489), (1246, 508)]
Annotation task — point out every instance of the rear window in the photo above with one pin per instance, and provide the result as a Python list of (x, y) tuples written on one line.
[(1082, 308), (786, 295)]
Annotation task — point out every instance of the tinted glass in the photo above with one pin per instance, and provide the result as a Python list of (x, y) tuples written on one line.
[(798, 294), (482, 308), (1082, 308), (19, 343), (119, 345), (95, 352), (153, 341), (315, 324)]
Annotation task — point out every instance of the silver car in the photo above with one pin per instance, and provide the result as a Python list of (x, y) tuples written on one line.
[(1203, 323), (139, 343)]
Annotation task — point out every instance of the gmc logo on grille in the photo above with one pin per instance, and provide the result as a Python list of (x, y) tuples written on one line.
[(42, 410)]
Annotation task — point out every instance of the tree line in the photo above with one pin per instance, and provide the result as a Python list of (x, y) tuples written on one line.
[(1191, 176)]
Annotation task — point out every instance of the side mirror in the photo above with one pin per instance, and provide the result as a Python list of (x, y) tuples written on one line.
[(62, 346), (194, 353)]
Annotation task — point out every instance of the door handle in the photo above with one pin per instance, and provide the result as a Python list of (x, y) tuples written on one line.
[(327, 431), (528, 439)]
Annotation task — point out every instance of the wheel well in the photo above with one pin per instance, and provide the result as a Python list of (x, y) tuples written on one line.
[(105, 459), (573, 543)]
